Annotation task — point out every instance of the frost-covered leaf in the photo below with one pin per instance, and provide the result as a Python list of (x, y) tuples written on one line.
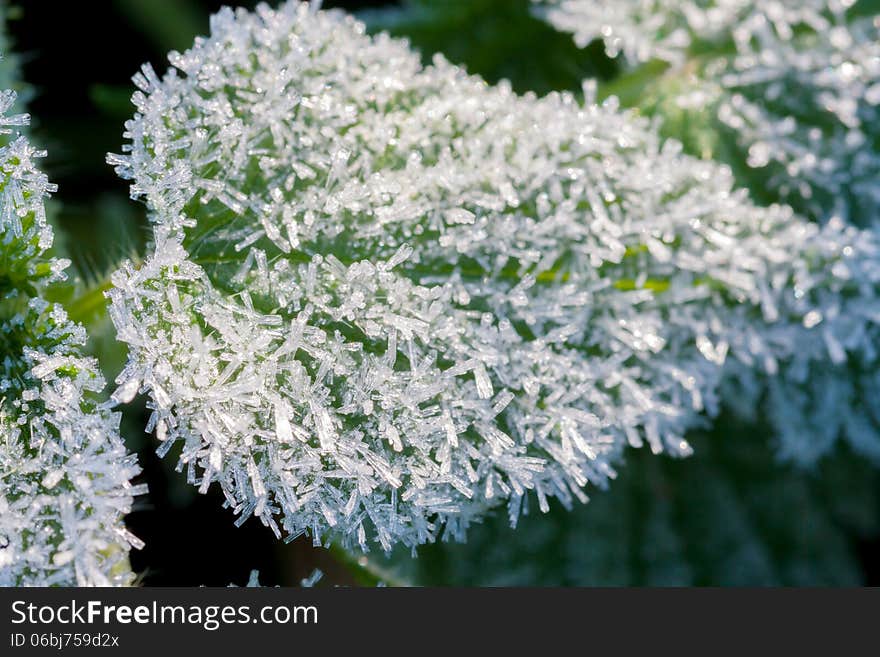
[(64, 471), (383, 298), (670, 30), (805, 114), (792, 86)]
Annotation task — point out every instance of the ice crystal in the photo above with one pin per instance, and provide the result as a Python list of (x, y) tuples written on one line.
[(383, 298), (64, 471), (799, 87)]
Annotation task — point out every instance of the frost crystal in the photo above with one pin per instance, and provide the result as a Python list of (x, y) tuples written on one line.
[(383, 298), (64, 471), (800, 89)]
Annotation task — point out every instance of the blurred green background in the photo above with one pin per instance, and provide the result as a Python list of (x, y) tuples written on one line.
[(729, 515)]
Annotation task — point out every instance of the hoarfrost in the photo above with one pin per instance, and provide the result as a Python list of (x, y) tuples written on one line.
[(403, 296), (796, 82)]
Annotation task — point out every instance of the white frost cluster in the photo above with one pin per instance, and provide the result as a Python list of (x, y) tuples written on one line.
[(383, 298), (641, 30), (800, 87), (805, 112), (64, 471)]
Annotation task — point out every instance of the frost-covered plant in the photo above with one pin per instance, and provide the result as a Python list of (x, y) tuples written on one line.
[(806, 112), (64, 471), (383, 298), (797, 83), (670, 30)]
